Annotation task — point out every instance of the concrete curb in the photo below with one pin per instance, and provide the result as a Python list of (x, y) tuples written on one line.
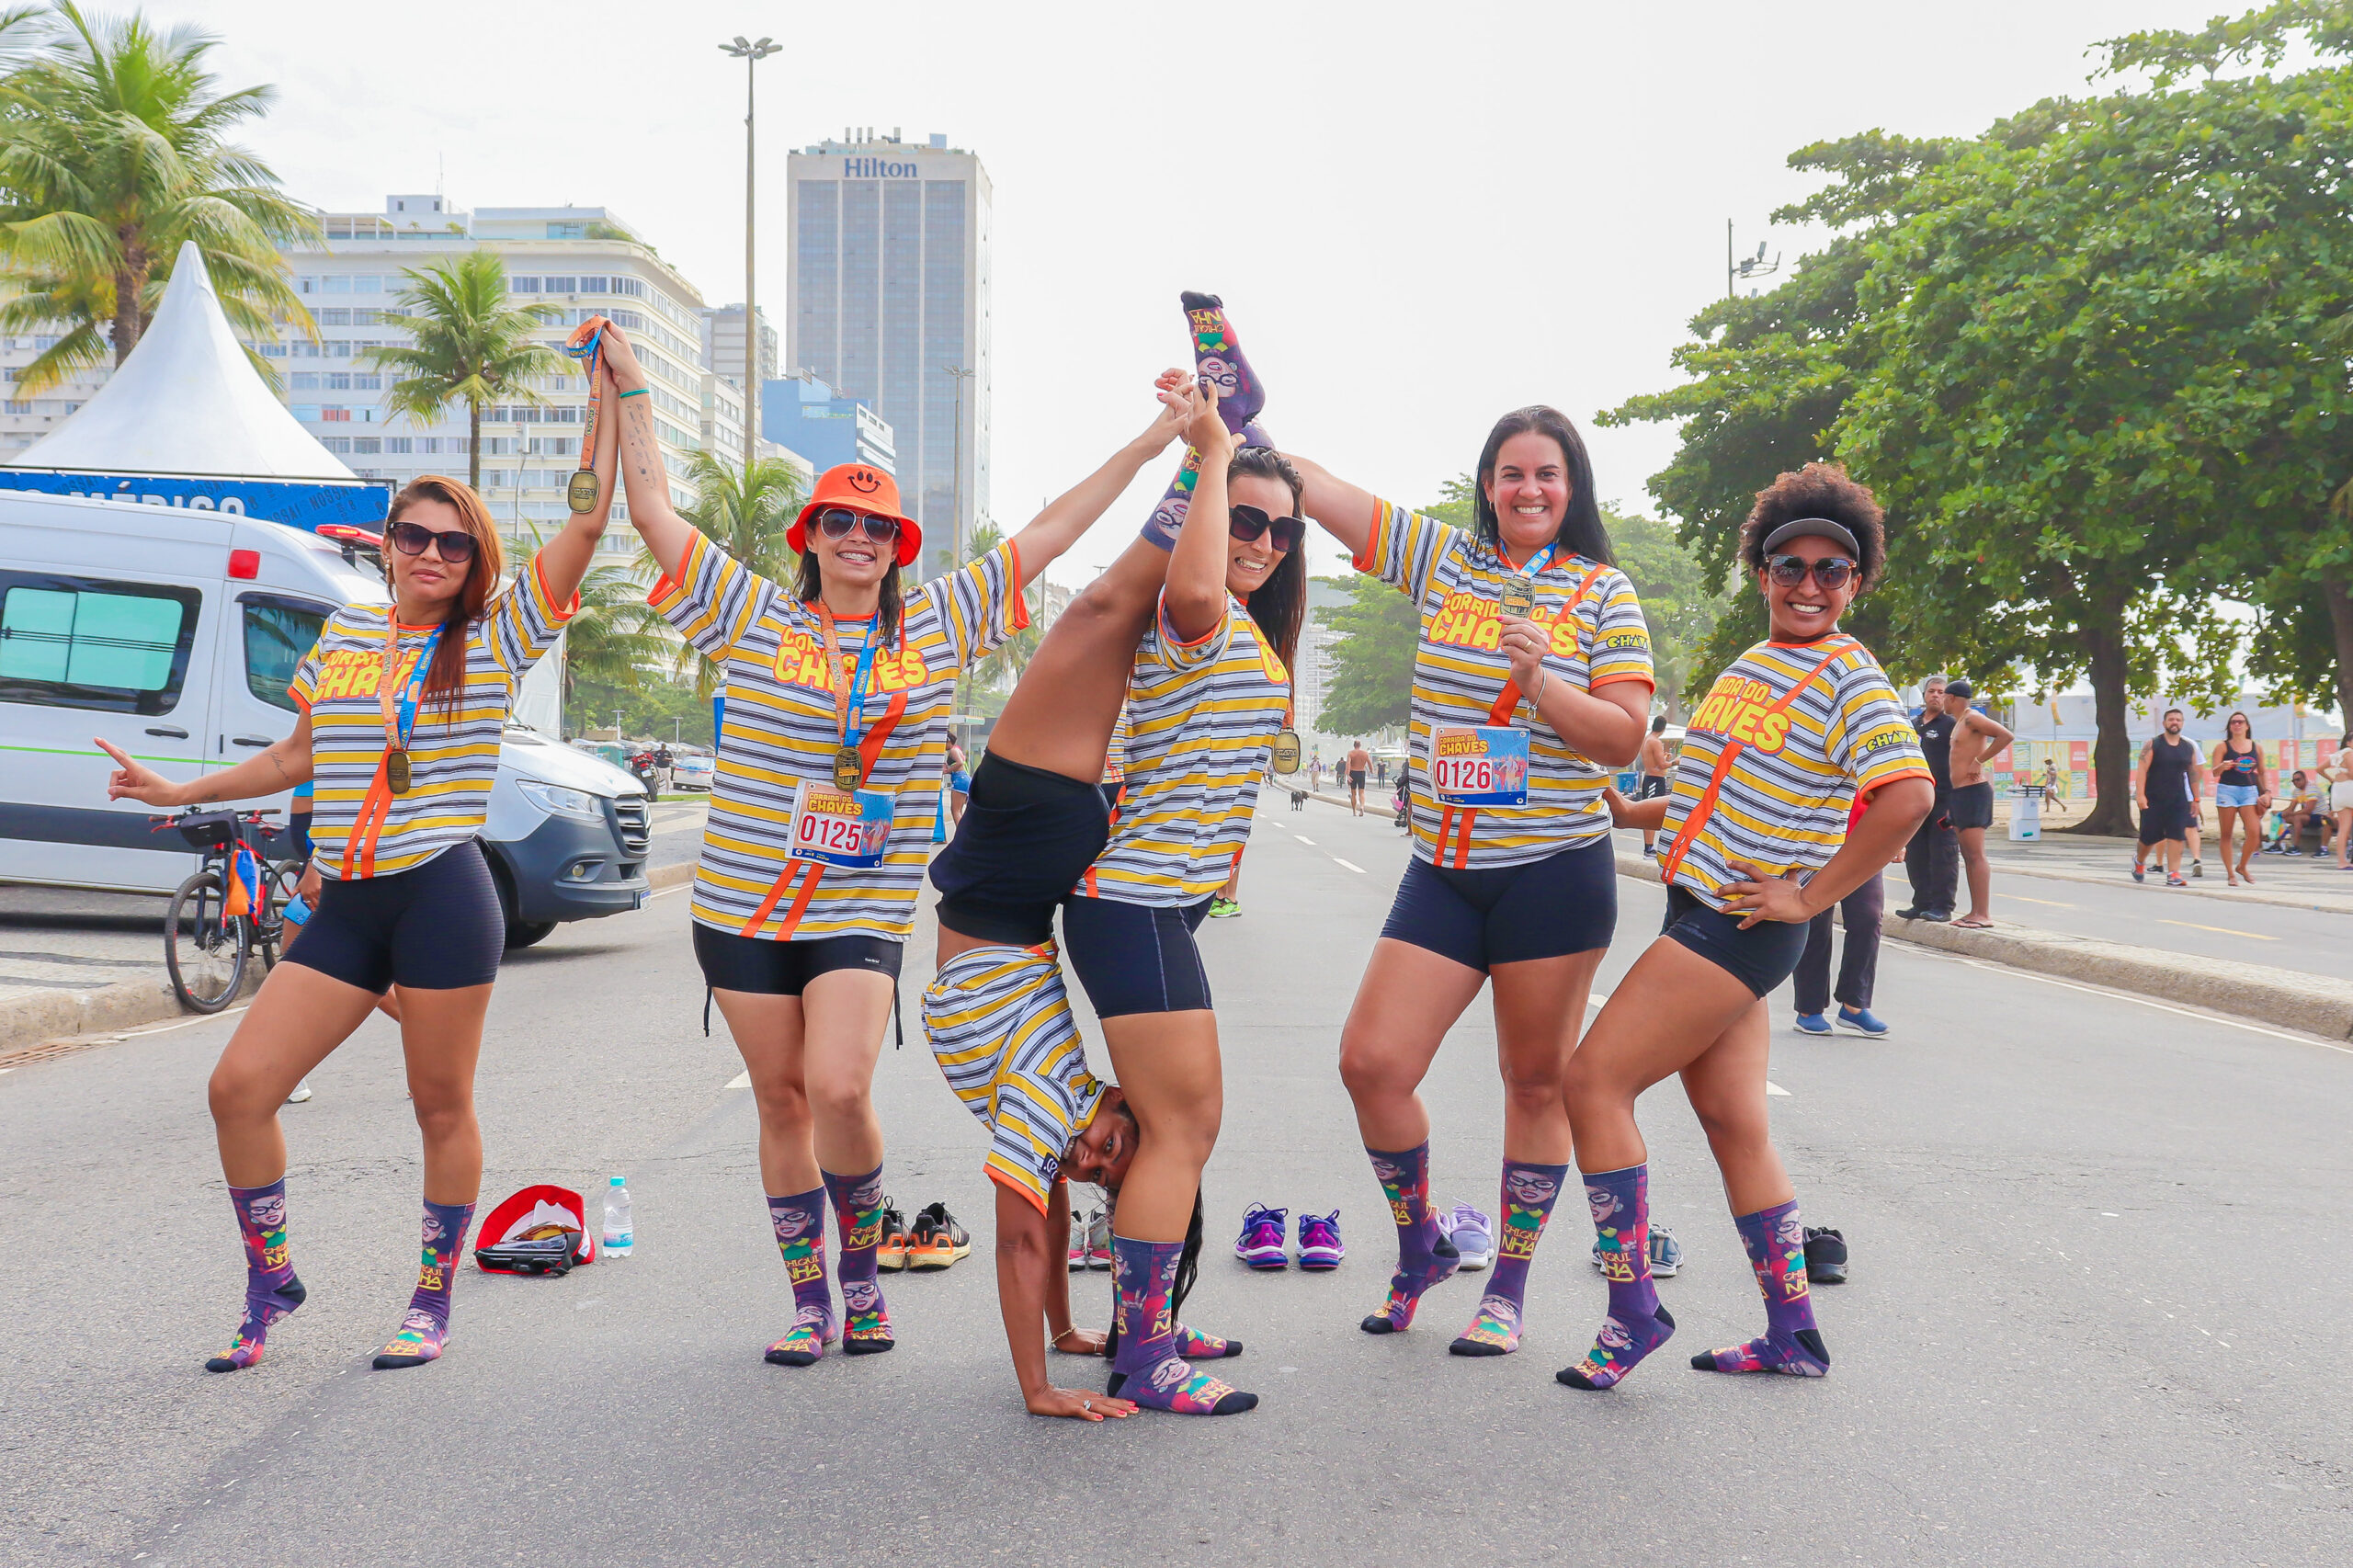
[(2225, 894), (2283, 998), (30, 1021)]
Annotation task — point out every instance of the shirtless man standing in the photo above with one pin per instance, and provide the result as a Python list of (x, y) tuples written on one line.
[(1973, 795), (1359, 765), (1655, 766)]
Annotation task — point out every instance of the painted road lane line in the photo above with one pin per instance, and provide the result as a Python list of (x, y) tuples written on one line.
[(2218, 930), (1351, 865), (1304, 839)]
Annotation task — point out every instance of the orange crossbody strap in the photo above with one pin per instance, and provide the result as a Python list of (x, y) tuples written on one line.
[(870, 749), (1501, 711), (1706, 805)]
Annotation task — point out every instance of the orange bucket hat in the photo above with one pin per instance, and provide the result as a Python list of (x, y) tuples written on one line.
[(861, 487)]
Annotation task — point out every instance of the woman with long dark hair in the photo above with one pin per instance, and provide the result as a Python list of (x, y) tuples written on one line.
[(2241, 794), (402, 705), (1532, 682), (1756, 843), (838, 695)]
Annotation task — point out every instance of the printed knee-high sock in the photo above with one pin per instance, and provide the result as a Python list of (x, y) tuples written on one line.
[(1424, 1254), (1217, 355), (1527, 1198), (799, 1222), (271, 1289), (1195, 1346), (1637, 1324), (1790, 1344), (857, 1211), (1147, 1368), (425, 1332)]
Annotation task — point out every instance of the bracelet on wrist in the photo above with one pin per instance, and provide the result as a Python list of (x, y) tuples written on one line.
[(637, 392)]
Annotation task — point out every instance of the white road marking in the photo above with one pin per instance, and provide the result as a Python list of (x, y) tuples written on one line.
[(1773, 1088), (1352, 866), (1304, 839), (742, 1080), (2219, 930)]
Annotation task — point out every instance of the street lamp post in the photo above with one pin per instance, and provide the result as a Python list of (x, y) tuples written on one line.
[(956, 527), (751, 54), (1747, 267)]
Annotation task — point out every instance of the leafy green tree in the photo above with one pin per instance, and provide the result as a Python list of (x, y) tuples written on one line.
[(746, 513), (471, 345), (1003, 667), (111, 156), (1373, 681), (1680, 601)]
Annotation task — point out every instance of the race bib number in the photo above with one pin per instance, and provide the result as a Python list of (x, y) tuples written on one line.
[(1485, 766), (840, 827)]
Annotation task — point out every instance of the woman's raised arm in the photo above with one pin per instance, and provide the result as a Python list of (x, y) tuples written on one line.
[(1076, 510), (643, 478), (1346, 512)]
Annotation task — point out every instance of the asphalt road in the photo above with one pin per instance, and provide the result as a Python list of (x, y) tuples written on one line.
[(2096, 1314)]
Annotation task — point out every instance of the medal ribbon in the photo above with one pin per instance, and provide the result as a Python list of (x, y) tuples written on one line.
[(1536, 562), (850, 704), (591, 352), (397, 729)]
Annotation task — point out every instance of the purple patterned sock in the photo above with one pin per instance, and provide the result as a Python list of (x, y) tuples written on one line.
[(1529, 1194), (1790, 1344), (857, 1211), (1217, 355), (799, 1222), (1424, 1254), (425, 1332), (1168, 514), (271, 1289), (1637, 1324), (1195, 1346), (1147, 1368)]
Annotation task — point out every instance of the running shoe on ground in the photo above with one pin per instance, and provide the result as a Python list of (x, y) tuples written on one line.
[(301, 1092), (1825, 1257), (1813, 1023), (1319, 1241), (1263, 1243), (1222, 907), (1472, 1236), (2140, 873), (2197, 868), (1936, 916), (2176, 882), (892, 1252), (1666, 1253), (1079, 1244), (938, 1240), (1098, 1241), (1861, 1020)]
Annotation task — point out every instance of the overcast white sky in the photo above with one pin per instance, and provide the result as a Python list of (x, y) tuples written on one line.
[(1420, 215)]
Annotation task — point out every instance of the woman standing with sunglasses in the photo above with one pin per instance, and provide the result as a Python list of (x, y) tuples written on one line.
[(402, 706), (1532, 679), (839, 688), (1756, 843)]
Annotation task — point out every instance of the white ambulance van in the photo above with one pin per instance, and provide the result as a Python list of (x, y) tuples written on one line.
[(174, 634)]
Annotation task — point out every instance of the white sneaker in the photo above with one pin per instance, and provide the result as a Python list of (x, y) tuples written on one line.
[(1472, 1236), (301, 1092)]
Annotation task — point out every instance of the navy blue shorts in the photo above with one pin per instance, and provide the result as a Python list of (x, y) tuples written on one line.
[(1026, 837), (1135, 958), (1566, 902), (432, 927), (1759, 958), (733, 962)]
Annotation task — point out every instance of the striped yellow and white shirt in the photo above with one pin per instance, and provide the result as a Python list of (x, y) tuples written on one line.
[(1000, 1028), (1783, 805), (1455, 580), (1201, 721), (780, 729), (359, 827)]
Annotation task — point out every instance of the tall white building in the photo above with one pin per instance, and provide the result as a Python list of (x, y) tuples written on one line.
[(887, 299), (27, 417), (582, 260)]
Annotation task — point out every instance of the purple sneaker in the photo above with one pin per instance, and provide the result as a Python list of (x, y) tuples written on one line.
[(1319, 1241), (1261, 1243)]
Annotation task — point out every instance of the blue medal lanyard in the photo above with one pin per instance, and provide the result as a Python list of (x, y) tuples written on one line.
[(1536, 562), (850, 716), (406, 725)]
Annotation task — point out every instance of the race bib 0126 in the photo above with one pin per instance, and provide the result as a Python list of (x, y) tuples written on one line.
[(840, 827), (1484, 765)]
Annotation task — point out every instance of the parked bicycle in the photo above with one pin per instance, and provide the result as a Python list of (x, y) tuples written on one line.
[(206, 947)]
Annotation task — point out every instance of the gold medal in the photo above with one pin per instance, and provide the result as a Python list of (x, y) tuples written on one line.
[(849, 768), (1519, 597), (581, 494), (396, 770), (1285, 759)]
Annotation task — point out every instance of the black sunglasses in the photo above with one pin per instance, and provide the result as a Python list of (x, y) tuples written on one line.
[(835, 522), (457, 545), (1788, 571), (1247, 523)]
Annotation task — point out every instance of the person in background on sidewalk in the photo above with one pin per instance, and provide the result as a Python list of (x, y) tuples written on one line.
[(2338, 771), (1359, 765), (1859, 911), (1654, 764), (2054, 793), (2306, 807), (2167, 786), (1970, 800), (2241, 794), (1932, 859)]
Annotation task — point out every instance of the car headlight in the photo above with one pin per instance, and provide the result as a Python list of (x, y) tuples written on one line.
[(562, 801)]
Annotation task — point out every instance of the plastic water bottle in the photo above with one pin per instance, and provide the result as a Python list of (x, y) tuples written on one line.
[(618, 1238)]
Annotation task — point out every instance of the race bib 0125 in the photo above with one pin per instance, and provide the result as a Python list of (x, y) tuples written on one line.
[(840, 827)]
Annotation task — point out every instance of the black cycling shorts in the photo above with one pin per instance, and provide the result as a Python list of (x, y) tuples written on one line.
[(1566, 902), (731, 962), (1026, 838), (432, 927), (1759, 958), (1135, 958), (1972, 805)]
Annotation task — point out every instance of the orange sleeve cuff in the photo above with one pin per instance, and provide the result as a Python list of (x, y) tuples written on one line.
[(1879, 784), (1620, 679), (1010, 1184)]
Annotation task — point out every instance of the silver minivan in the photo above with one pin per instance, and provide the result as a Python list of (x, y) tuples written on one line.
[(174, 633)]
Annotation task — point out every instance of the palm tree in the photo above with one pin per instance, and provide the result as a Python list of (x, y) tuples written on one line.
[(110, 156), (744, 512), (471, 346)]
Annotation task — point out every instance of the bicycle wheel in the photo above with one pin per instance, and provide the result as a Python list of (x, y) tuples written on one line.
[(205, 953), (272, 935)]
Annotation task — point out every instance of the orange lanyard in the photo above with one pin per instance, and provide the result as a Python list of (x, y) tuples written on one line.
[(1705, 806)]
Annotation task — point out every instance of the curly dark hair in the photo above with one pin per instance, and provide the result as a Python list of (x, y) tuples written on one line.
[(1818, 490)]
